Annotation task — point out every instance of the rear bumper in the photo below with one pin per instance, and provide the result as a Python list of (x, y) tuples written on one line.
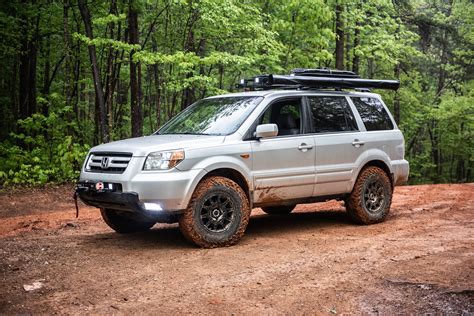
[(401, 169)]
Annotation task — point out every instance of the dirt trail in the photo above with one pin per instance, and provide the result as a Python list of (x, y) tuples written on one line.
[(312, 261)]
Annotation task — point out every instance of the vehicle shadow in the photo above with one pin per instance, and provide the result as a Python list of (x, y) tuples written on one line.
[(260, 225), (159, 237), (170, 237)]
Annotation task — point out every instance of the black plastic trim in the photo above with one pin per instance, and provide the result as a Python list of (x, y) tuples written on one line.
[(127, 202)]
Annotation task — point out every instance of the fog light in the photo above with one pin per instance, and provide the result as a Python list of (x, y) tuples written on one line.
[(152, 207)]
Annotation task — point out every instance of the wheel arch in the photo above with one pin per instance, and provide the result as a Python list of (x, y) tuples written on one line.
[(229, 172), (233, 175), (380, 164)]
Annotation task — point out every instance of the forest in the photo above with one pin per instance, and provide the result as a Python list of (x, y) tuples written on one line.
[(76, 73)]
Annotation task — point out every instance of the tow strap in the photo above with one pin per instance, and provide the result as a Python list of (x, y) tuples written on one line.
[(74, 196)]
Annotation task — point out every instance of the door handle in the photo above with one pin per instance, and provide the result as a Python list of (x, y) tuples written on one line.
[(357, 143), (305, 147)]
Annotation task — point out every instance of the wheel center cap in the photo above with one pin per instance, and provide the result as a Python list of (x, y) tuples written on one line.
[(216, 212)]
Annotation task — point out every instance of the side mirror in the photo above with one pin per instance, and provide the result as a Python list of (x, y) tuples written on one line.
[(266, 130)]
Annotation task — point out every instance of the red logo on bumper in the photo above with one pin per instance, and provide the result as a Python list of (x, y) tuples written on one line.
[(99, 186)]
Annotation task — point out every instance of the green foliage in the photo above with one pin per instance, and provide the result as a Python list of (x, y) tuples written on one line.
[(107, 42), (41, 159), (190, 49)]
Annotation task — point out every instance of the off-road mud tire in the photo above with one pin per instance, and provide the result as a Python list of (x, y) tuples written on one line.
[(356, 203), (192, 225), (122, 224), (279, 210)]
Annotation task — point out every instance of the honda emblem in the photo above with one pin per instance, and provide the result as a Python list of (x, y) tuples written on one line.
[(104, 163)]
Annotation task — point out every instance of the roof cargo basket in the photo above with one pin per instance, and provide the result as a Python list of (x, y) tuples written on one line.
[(304, 79)]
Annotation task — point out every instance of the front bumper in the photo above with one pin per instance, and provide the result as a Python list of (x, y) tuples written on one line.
[(170, 189), (126, 202)]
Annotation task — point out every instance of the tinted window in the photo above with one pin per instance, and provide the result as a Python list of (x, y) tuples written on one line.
[(331, 114), (373, 114), (286, 115), (214, 116)]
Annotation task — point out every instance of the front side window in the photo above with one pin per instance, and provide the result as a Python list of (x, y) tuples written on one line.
[(373, 114), (215, 116), (331, 114), (286, 114)]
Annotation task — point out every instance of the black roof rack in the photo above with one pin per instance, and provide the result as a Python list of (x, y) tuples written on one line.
[(324, 72), (316, 79)]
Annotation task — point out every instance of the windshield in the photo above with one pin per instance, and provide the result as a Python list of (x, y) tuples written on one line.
[(215, 116)]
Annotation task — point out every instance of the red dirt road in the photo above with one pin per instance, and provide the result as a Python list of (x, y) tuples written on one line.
[(313, 261)]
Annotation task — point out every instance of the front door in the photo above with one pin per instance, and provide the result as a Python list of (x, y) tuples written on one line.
[(283, 166)]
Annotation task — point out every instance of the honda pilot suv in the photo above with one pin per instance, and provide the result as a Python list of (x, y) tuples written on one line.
[(286, 140)]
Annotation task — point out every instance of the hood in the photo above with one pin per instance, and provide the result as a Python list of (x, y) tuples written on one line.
[(142, 146)]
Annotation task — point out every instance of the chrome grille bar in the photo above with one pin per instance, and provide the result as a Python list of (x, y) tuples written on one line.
[(104, 162)]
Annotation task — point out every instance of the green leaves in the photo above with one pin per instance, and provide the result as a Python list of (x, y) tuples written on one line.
[(106, 42), (111, 18), (189, 49), (41, 159)]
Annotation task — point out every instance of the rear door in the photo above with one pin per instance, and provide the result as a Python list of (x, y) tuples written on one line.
[(283, 166), (336, 134)]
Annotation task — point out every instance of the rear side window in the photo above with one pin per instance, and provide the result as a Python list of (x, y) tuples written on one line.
[(373, 114), (331, 114)]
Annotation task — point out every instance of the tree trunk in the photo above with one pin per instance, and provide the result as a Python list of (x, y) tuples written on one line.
[(46, 74), (156, 78), (370, 67), (355, 56), (13, 91), (27, 69), (110, 76), (67, 58), (460, 168), (435, 152), (99, 92), (339, 36), (348, 51), (396, 101), (75, 90), (188, 93), (135, 104)]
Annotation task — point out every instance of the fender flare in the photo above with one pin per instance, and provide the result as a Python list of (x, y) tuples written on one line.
[(372, 155), (215, 163)]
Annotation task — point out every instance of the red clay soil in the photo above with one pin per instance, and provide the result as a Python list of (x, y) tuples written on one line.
[(313, 261)]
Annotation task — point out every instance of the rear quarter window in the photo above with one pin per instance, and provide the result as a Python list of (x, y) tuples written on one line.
[(373, 114)]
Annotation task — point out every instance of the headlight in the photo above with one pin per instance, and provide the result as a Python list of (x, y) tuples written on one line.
[(163, 160)]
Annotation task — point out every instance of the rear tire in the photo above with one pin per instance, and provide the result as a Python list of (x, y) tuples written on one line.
[(217, 214), (279, 210), (370, 200), (123, 224)]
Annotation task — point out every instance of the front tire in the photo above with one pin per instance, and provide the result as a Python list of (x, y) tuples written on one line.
[(279, 210), (122, 224), (370, 200), (217, 214)]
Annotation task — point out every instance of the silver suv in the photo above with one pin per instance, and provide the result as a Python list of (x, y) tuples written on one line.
[(208, 167)]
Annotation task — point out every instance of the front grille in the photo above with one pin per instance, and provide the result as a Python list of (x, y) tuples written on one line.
[(108, 162)]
